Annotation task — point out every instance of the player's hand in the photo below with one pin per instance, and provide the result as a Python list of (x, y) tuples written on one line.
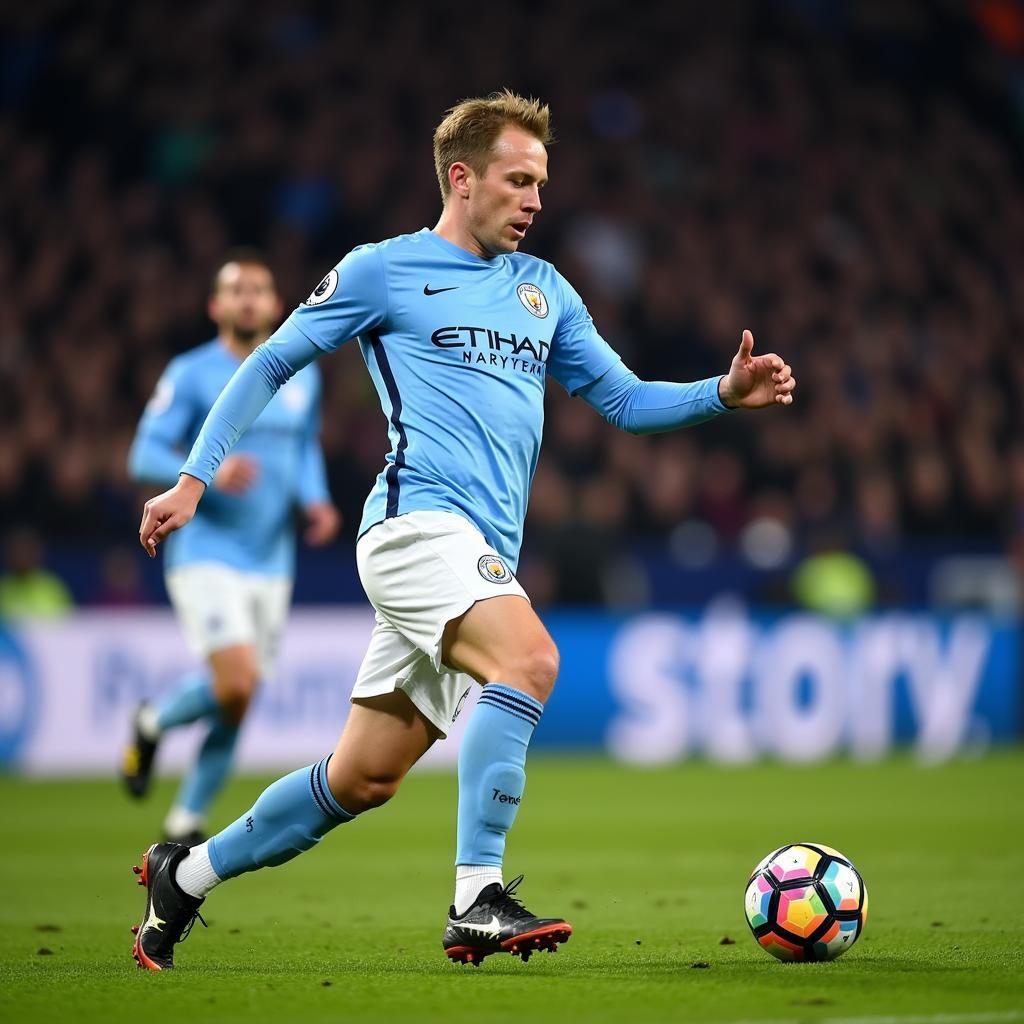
[(323, 521), (754, 382), (169, 511), (236, 475)]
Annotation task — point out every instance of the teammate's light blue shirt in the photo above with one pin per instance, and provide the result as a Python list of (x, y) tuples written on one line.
[(252, 531), (459, 348)]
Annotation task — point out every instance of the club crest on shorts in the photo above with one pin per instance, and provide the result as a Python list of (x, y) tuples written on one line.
[(462, 701), (493, 568), (533, 299), (324, 290)]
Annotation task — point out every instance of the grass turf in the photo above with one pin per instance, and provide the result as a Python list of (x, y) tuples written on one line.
[(649, 866)]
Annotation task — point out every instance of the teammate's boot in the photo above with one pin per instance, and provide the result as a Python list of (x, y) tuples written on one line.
[(194, 837), (184, 827), (137, 768), (170, 911), (498, 923)]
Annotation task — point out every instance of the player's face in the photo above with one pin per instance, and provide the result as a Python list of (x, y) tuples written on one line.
[(245, 302), (506, 198)]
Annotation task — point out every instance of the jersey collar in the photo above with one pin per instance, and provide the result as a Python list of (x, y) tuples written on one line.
[(459, 253)]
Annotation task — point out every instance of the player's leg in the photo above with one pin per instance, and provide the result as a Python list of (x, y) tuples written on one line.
[(209, 601), (503, 644), (383, 737), (190, 700), (434, 579), (236, 671)]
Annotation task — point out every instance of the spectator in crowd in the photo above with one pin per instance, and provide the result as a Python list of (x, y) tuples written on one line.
[(832, 581), (28, 590), (850, 184)]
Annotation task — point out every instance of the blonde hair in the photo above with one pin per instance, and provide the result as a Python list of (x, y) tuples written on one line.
[(469, 130)]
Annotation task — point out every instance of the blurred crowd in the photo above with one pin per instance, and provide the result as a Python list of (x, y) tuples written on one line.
[(843, 179)]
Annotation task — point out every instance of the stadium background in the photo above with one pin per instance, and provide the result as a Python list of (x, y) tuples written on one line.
[(842, 178), (837, 584)]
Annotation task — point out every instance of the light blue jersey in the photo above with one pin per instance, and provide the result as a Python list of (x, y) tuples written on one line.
[(253, 531), (459, 348)]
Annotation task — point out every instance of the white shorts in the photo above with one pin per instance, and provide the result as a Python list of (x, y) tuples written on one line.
[(222, 607), (420, 571)]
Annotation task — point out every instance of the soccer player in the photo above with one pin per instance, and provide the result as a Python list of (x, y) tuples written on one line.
[(229, 576), (459, 332)]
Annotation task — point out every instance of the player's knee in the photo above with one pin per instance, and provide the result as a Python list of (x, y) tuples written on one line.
[(367, 791), (235, 691), (535, 670)]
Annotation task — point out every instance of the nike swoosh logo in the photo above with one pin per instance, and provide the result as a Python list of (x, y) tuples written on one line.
[(427, 290), (492, 927), (152, 921)]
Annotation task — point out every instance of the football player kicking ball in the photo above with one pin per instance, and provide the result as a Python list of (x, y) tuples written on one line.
[(458, 331)]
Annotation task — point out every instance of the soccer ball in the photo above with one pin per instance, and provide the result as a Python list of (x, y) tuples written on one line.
[(806, 902)]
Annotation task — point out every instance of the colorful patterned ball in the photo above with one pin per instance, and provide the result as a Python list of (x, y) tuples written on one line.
[(806, 902)]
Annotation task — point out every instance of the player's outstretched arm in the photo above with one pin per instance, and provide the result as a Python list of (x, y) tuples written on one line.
[(649, 407), (169, 511), (755, 382)]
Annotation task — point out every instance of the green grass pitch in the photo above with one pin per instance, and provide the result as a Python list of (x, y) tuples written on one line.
[(648, 865)]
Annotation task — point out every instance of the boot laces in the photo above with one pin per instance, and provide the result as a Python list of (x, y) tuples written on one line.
[(512, 905), (188, 927)]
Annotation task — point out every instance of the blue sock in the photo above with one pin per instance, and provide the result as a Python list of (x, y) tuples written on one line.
[(290, 816), (191, 699), (492, 760), (205, 780)]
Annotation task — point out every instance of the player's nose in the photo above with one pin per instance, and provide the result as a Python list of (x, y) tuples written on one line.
[(531, 202)]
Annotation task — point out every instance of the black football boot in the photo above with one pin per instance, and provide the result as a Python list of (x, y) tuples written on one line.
[(170, 911), (498, 923), (137, 767)]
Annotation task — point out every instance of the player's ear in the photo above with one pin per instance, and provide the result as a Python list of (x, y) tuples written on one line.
[(458, 177)]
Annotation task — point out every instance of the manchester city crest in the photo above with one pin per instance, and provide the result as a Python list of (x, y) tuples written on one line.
[(533, 299), (493, 568)]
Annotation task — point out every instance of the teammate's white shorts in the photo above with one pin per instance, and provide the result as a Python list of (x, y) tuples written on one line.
[(420, 571), (219, 607)]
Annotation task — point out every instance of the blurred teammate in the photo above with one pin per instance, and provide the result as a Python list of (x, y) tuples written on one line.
[(230, 576), (459, 332)]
